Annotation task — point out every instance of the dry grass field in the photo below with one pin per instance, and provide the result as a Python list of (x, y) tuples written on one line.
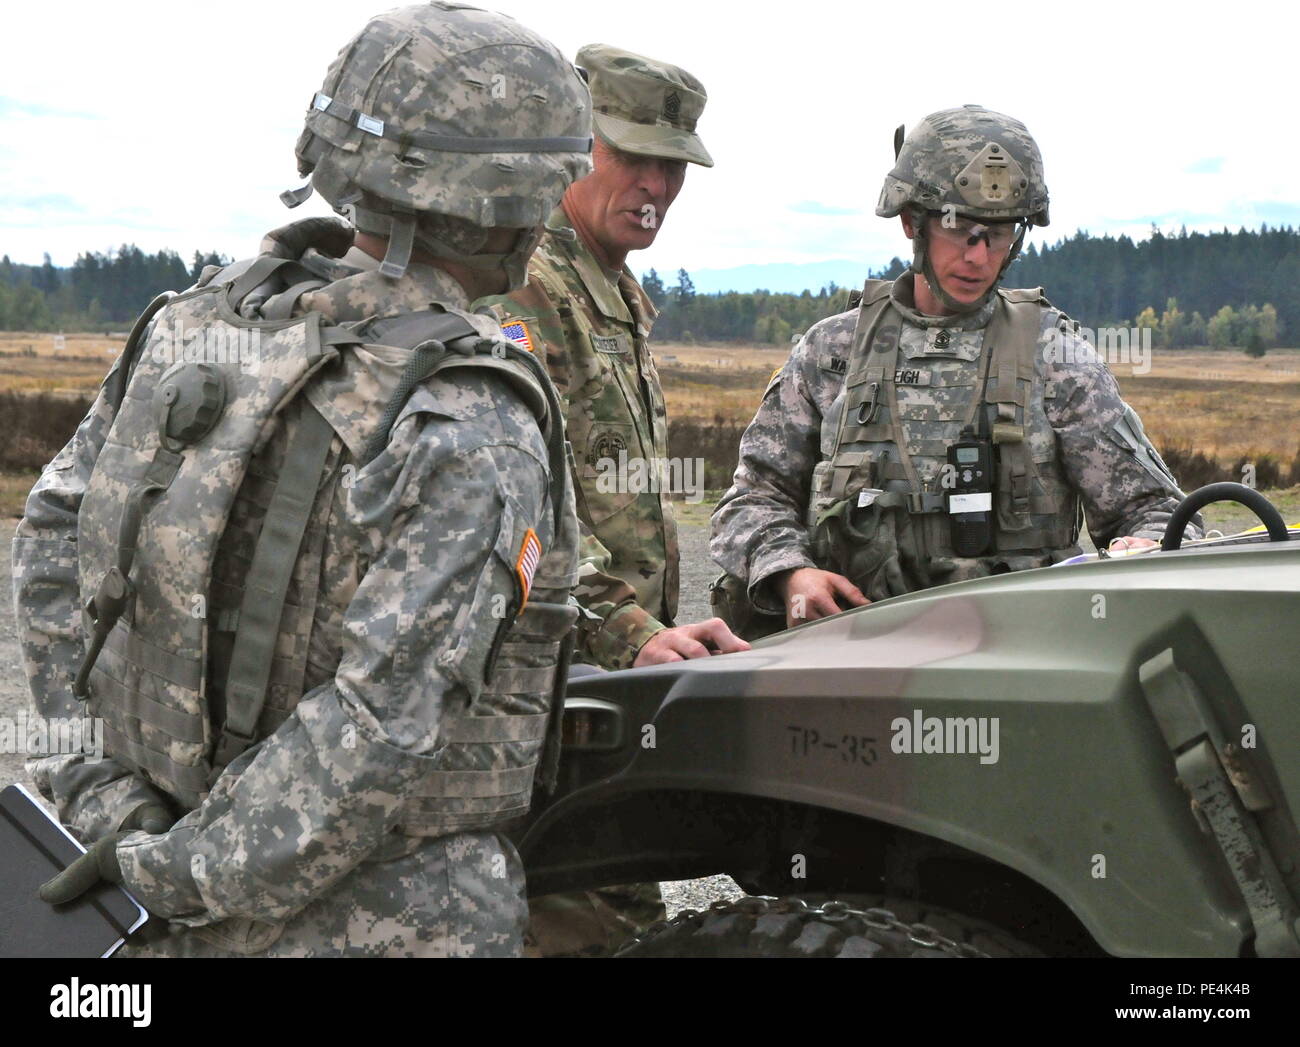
[(40, 363), (1223, 405)]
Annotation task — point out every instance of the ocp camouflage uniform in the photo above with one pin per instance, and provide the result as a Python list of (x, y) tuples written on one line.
[(1081, 437), (595, 326), (297, 849)]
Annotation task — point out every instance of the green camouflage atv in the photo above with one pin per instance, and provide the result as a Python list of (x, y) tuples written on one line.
[(1092, 758)]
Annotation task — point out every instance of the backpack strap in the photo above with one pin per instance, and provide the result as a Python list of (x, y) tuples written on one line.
[(430, 335), (115, 389), (267, 583), (1014, 332), (440, 340)]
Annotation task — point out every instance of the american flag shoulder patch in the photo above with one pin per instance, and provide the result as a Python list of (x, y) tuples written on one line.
[(517, 331), (530, 554)]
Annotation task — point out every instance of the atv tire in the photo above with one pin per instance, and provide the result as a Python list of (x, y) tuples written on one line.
[(789, 928)]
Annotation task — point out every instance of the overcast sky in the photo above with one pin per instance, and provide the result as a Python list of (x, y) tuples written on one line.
[(173, 124)]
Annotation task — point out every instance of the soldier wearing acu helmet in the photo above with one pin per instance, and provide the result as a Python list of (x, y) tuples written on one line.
[(325, 585), (584, 306), (945, 428)]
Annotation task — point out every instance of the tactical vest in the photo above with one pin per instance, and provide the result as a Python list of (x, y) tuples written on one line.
[(193, 657), (882, 481)]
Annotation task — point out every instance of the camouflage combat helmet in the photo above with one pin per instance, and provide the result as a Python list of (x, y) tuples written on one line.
[(972, 162), (438, 123)]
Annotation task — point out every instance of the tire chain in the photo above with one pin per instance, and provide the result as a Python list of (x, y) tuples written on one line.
[(874, 919)]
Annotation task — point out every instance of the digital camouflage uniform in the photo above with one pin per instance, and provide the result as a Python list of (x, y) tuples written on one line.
[(845, 465), (339, 830), (595, 326), (1077, 424)]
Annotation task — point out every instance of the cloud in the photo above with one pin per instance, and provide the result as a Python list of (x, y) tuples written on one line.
[(44, 202), (14, 107), (813, 207), (153, 134)]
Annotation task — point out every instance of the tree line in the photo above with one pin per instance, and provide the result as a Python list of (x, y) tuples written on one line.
[(1219, 289), (98, 291)]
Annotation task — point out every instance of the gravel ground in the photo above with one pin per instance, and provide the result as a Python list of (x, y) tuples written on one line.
[(697, 572)]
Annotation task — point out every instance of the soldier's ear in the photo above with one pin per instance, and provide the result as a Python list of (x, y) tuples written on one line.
[(908, 229)]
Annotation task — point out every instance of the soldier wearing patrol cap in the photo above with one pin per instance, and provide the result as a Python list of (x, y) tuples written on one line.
[(585, 310), (945, 428)]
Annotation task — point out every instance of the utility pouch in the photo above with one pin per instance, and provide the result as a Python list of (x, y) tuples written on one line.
[(868, 538)]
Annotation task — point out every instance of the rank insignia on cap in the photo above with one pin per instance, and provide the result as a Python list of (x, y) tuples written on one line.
[(517, 331), (530, 554), (672, 105)]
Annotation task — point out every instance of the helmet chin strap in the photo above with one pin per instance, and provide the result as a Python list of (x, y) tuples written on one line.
[(403, 232), (921, 266)]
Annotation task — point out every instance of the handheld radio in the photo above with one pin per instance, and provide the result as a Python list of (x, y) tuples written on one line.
[(970, 498)]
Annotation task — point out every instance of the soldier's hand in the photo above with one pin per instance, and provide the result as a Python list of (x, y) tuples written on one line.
[(810, 593), (689, 641), (1127, 543)]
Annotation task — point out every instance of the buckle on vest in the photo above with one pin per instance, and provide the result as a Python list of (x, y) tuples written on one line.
[(1019, 493), (867, 409), (229, 745)]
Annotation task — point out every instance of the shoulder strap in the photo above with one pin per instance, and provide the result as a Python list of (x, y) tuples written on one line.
[(858, 412), (267, 582), (871, 291), (116, 391), (1013, 331), (431, 335), (442, 340), (1023, 294)]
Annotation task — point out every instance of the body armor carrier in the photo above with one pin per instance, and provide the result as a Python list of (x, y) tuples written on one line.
[(197, 524), (878, 504)]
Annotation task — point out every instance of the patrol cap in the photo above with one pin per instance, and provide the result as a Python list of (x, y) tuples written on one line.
[(644, 107)]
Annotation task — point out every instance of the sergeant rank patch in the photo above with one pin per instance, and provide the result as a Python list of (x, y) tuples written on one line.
[(530, 554), (517, 331)]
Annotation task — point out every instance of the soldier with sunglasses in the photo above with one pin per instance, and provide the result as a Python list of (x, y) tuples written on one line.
[(943, 428)]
